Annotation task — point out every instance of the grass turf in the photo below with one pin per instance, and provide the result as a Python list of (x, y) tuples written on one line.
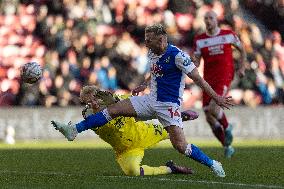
[(91, 164)]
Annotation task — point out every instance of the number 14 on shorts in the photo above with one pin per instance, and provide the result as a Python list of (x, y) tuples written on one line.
[(174, 112)]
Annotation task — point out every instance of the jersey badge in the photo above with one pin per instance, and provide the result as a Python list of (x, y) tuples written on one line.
[(156, 70), (167, 60)]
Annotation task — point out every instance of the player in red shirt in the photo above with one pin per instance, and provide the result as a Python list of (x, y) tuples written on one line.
[(215, 47)]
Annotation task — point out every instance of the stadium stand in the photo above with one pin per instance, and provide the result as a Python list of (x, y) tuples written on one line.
[(100, 42)]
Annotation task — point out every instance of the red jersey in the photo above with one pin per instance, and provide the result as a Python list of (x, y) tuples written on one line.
[(217, 54)]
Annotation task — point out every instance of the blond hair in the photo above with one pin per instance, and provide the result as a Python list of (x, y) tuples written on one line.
[(157, 29), (104, 98), (86, 91)]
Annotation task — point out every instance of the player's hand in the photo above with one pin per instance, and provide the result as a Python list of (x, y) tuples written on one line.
[(85, 110), (137, 90), (224, 101)]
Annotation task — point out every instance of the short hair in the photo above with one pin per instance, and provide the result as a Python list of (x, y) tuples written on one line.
[(86, 90), (157, 29), (211, 12)]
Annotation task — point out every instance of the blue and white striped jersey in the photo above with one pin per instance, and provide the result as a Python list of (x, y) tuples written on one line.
[(168, 72)]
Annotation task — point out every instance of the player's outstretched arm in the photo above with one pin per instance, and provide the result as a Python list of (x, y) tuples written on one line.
[(222, 101), (142, 87)]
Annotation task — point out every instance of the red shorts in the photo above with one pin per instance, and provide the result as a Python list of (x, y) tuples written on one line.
[(221, 88)]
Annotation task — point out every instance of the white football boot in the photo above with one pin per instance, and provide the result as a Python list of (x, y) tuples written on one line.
[(218, 169), (69, 131)]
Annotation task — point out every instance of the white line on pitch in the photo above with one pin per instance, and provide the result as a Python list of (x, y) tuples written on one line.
[(199, 181), (148, 178)]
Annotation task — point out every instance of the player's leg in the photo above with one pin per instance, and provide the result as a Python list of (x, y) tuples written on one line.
[(121, 108), (133, 107), (161, 170), (229, 150), (169, 116), (130, 163), (179, 142), (169, 168), (222, 119), (218, 114), (216, 127), (190, 150), (177, 169), (222, 129)]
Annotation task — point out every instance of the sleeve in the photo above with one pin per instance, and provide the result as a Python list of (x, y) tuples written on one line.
[(196, 48), (184, 63), (236, 40)]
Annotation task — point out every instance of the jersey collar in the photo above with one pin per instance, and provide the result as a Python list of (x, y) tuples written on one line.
[(215, 34), (153, 55)]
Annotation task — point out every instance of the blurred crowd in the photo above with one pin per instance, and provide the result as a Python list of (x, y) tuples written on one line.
[(100, 42)]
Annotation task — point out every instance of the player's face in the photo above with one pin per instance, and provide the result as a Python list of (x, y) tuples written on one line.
[(210, 20), (92, 100), (155, 43)]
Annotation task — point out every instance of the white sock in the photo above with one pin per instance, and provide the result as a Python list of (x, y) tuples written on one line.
[(107, 115), (188, 150)]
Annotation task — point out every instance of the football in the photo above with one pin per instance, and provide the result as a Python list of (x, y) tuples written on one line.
[(31, 72)]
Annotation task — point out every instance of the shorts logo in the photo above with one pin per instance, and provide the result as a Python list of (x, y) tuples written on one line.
[(156, 70)]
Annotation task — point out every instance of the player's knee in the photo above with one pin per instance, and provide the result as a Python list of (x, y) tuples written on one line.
[(113, 112), (122, 108), (132, 171), (180, 147)]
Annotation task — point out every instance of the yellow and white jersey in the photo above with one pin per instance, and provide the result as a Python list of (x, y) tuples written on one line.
[(125, 133)]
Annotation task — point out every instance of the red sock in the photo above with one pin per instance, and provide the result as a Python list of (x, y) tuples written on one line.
[(220, 134), (223, 120)]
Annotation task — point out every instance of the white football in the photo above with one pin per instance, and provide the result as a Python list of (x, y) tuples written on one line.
[(31, 72)]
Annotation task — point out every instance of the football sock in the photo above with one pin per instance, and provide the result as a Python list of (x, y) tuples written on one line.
[(94, 121), (147, 170), (196, 154), (219, 133), (223, 119)]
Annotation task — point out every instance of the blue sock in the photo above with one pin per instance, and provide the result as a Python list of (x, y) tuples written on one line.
[(198, 155), (92, 121)]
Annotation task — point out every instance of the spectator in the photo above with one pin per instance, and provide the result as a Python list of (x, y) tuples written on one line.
[(68, 37)]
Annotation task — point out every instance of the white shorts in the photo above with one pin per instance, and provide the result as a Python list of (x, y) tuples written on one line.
[(147, 108)]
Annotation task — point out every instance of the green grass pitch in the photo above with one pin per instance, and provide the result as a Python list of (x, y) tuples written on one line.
[(91, 164)]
